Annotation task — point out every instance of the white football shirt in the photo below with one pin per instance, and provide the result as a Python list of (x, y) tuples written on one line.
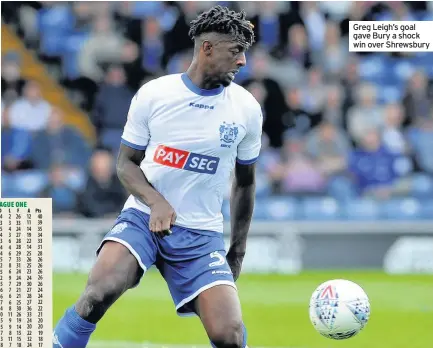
[(192, 139)]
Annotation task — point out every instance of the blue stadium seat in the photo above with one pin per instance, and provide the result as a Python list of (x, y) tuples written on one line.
[(427, 209), (261, 210), (323, 208), (110, 138), (422, 186), (388, 16), (401, 209), (281, 208), (64, 199), (26, 183), (72, 47), (54, 25), (399, 71), (372, 68), (57, 19), (426, 16), (271, 209), (142, 9), (263, 185), (390, 93), (361, 209), (425, 62), (11, 188), (52, 45), (341, 188)]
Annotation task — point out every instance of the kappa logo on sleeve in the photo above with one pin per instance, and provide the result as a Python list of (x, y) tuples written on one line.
[(194, 162)]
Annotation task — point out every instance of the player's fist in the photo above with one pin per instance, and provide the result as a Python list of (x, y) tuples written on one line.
[(235, 259), (162, 217)]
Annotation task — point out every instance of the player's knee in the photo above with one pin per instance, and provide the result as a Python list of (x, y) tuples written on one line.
[(97, 297), (105, 292), (227, 335)]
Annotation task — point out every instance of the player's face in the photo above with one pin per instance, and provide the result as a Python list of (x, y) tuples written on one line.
[(226, 60)]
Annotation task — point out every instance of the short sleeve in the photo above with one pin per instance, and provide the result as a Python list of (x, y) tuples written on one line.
[(249, 147), (136, 131)]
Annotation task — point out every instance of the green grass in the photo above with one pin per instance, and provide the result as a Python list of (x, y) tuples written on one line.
[(275, 309)]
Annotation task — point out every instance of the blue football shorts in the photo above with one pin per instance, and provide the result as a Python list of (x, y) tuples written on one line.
[(190, 261)]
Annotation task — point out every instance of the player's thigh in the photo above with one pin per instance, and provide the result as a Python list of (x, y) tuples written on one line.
[(116, 266), (131, 230), (220, 311), (190, 263), (124, 255), (114, 272)]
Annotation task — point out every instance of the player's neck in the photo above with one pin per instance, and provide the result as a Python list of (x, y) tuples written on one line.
[(199, 78)]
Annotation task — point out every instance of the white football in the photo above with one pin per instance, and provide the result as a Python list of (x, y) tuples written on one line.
[(339, 309)]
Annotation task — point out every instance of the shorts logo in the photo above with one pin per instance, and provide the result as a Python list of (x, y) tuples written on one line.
[(228, 134), (186, 160), (216, 255), (221, 272), (119, 228), (56, 342)]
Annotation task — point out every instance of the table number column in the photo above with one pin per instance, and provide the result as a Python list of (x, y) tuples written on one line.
[(3, 279), (25, 273), (12, 335), (17, 277), (43, 329)]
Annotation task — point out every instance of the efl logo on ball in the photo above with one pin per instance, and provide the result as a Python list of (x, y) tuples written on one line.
[(339, 309)]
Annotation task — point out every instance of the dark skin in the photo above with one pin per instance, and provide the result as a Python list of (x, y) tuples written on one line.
[(162, 215), (215, 56), (241, 211), (116, 269), (218, 307)]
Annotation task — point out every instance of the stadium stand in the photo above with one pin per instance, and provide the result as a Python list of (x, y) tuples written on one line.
[(360, 148)]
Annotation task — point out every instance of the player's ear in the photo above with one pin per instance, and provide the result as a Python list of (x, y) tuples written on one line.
[(207, 48)]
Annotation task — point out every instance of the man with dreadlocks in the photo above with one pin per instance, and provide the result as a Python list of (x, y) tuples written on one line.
[(184, 135)]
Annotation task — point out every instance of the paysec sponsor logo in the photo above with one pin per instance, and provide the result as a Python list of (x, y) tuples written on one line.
[(194, 162)]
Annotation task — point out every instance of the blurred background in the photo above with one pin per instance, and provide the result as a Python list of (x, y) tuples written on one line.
[(348, 186)]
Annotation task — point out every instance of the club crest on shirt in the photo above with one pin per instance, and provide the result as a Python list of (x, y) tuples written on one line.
[(228, 134)]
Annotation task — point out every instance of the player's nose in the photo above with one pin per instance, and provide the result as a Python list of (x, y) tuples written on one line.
[(242, 60)]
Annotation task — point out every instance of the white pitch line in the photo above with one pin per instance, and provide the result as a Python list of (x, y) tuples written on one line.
[(126, 344)]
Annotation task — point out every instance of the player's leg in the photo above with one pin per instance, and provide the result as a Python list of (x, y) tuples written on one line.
[(115, 271), (123, 256), (220, 312), (200, 281)]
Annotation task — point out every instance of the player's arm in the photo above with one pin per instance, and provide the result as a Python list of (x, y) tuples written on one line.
[(133, 178), (132, 150), (243, 190), (241, 211), (135, 182)]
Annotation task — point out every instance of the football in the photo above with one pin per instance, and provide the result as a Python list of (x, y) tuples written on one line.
[(339, 309)]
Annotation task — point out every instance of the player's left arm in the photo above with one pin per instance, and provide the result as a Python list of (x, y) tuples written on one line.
[(241, 211), (243, 190)]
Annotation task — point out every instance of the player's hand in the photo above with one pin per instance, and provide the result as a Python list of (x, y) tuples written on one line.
[(162, 217), (235, 259)]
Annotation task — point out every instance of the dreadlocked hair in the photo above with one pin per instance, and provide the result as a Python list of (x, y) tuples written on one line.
[(224, 21)]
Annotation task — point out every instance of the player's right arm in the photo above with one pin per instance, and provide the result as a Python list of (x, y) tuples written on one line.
[(134, 140)]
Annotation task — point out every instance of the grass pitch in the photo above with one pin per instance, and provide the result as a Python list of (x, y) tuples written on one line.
[(275, 309)]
